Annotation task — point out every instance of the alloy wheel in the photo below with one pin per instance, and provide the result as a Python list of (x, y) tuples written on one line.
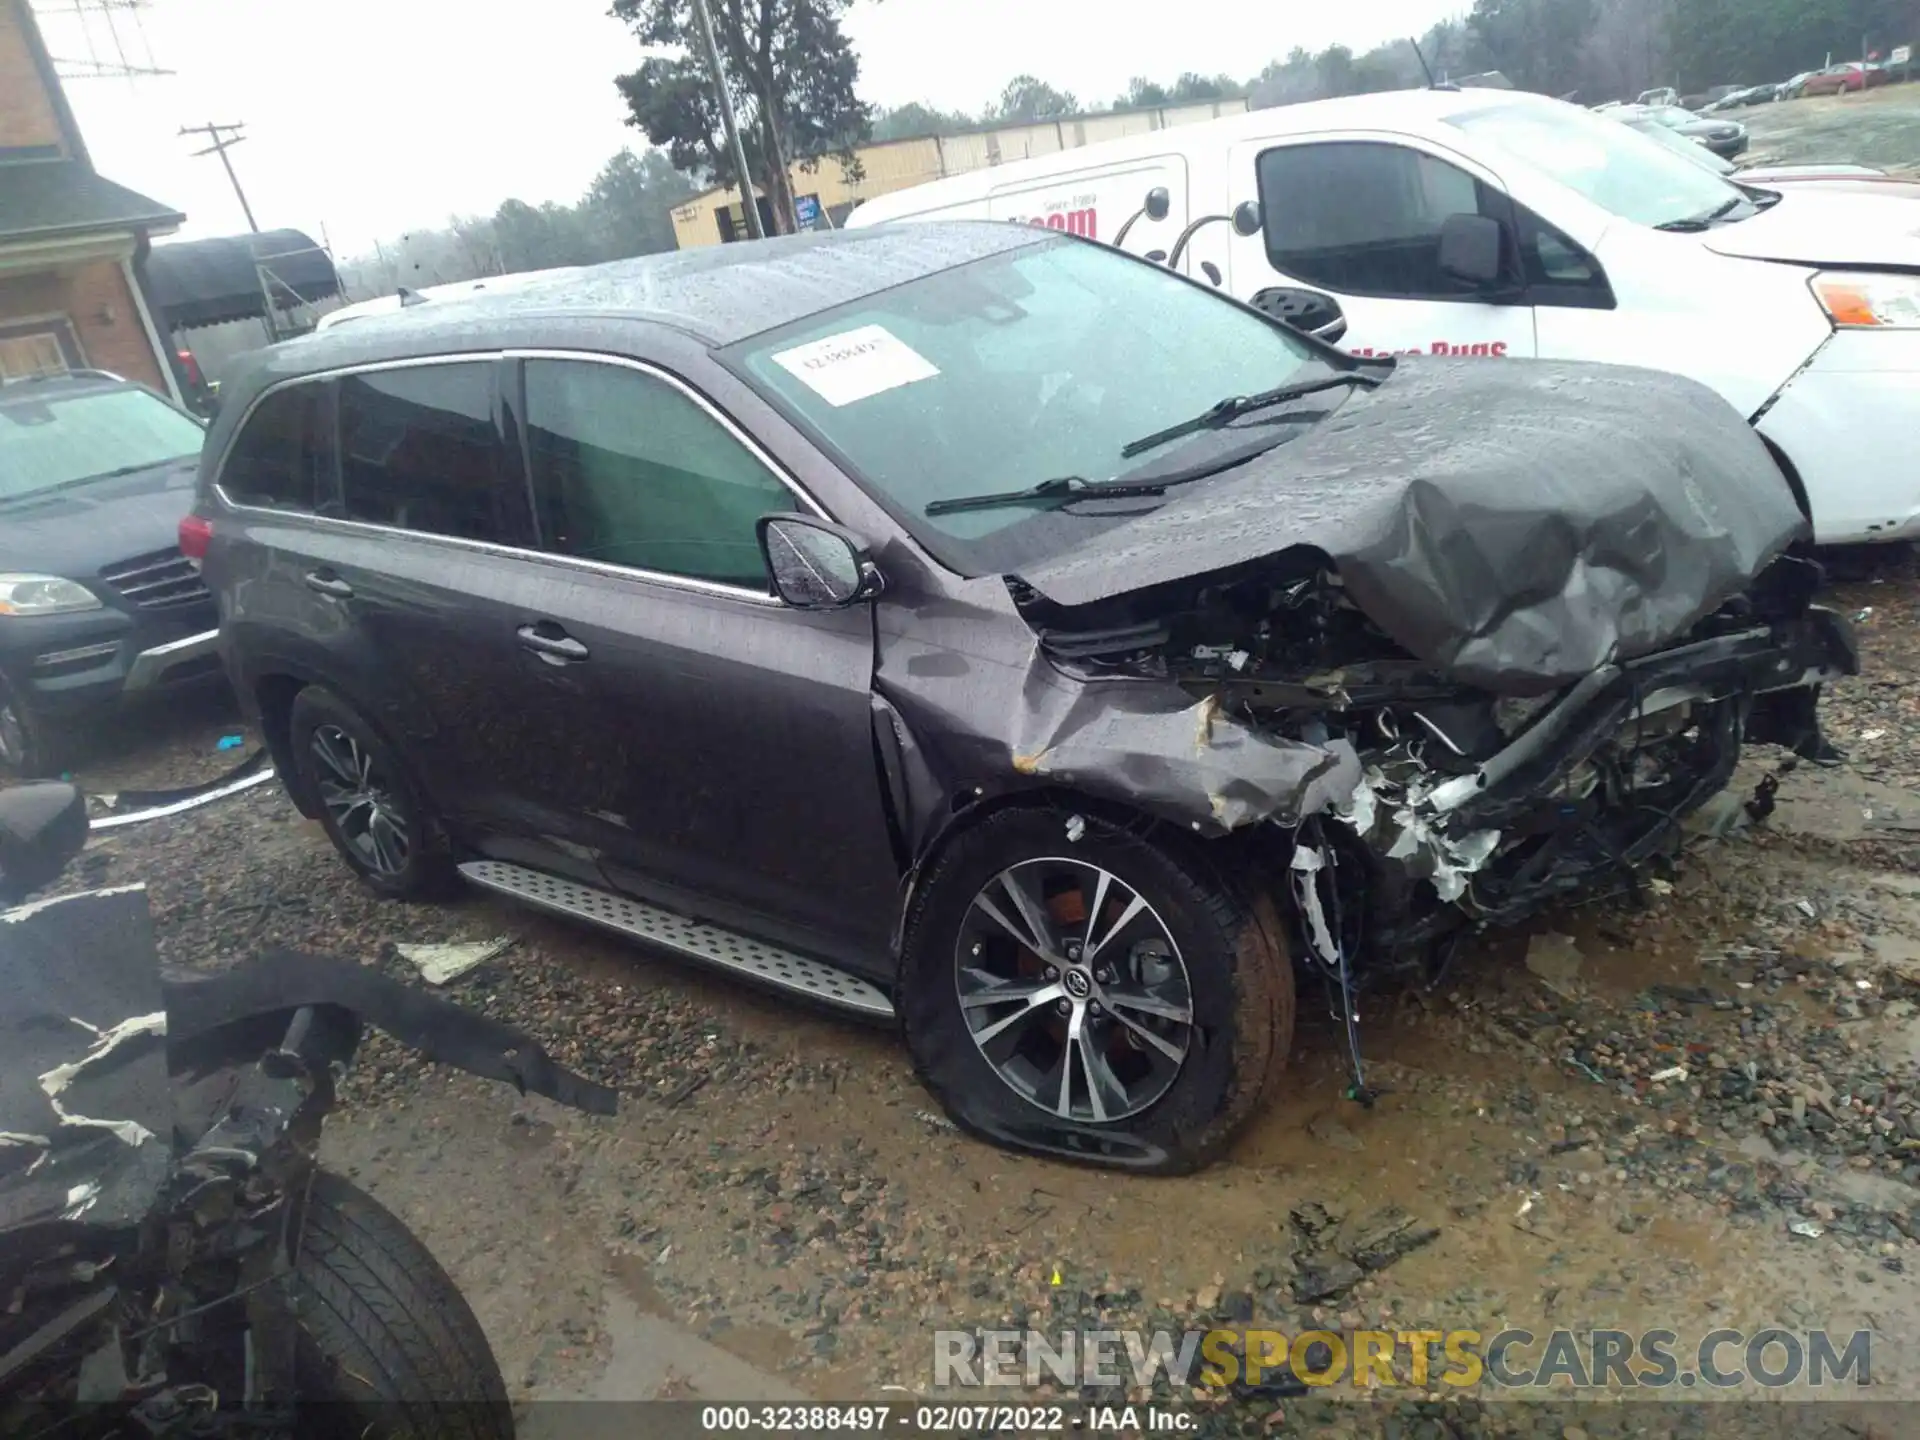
[(1074, 990), (360, 800)]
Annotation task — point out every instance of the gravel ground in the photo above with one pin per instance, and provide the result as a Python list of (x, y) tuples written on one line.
[(1610, 1120), (1880, 128)]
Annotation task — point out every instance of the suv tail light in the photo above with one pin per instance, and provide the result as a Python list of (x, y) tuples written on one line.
[(195, 533), (192, 368)]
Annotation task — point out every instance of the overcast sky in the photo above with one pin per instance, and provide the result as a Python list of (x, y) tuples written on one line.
[(385, 115)]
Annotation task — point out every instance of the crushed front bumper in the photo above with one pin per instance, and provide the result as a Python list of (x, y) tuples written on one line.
[(1791, 660), (1532, 822)]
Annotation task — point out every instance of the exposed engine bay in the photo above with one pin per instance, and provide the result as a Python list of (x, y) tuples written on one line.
[(1475, 807)]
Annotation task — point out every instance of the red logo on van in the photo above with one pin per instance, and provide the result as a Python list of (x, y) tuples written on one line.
[(1075, 222), (1441, 347)]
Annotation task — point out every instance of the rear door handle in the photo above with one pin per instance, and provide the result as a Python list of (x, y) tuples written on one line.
[(328, 583), (551, 643)]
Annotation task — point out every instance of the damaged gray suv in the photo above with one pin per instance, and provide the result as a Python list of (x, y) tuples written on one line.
[(979, 627)]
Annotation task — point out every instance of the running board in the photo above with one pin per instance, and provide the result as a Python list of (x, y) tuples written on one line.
[(694, 939)]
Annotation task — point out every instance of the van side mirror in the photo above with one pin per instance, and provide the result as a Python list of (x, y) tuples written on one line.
[(1246, 218), (1159, 205), (1470, 250), (815, 564)]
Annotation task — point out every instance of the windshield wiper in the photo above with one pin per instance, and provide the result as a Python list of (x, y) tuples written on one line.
[(1060, 487), (1234, 406), (1703, 222), (1064, 488)]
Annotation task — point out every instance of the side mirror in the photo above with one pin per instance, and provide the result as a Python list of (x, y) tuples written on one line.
[(1246, 218), (1470, 250), (42, 827), (1159, 205), (815, 564)]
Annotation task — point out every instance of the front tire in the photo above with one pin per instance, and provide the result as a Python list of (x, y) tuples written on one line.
[(372, 808), (1071, 988), (29, 748), (386, 1344)]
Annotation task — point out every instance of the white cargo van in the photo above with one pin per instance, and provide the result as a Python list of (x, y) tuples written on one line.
[(1506, 225)]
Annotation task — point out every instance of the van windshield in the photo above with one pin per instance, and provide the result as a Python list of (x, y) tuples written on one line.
[(1615, 166), (1036, 364)]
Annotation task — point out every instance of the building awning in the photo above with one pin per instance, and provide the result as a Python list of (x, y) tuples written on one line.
[(53, 199), (209, 282)]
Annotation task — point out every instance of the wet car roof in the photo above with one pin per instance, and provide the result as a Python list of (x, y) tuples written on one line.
[(719, 294)]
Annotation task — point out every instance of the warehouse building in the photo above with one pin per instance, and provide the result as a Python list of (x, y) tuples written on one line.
[(825, 198)]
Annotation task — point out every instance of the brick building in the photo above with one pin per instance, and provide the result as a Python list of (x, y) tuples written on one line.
[(72, 243)]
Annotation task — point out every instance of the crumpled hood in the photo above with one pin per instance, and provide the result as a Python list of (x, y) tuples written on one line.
[(1518, 524), (1832, 222)]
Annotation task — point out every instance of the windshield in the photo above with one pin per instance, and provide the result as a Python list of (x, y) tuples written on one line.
[(1680, 145), (50, 439), (1623, 171), (1024, 367)]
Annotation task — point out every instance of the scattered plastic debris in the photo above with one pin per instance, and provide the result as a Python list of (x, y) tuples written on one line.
[(230, 742), (1873, 734), (1076, 827), (1806, 1229), (938, 1122), (1554, 960), (1659, 886), (1672, 1072), (1805, 907), (1860, 617), (438, 964)]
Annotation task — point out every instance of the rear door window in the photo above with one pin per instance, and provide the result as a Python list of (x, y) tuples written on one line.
[(420, 450), (282, 458), (630, 471)]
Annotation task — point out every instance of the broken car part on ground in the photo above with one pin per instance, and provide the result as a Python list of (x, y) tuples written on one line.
[(984, 657), (172, 1251)]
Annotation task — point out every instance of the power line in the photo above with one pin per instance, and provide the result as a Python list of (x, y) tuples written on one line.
[(219, 146)]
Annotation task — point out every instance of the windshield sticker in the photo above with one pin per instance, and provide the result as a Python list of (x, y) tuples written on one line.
[(855, 364)]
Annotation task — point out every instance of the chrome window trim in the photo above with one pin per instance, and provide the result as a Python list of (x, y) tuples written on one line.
[(337, 524)]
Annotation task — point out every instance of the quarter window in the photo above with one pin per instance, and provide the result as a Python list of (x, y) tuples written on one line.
[(282, 457), (629, 471), (1363, 218), (419, 450)]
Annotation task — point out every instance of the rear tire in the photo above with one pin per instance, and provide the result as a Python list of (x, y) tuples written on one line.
[(372, 808), (1193, 949), (386, 1344)]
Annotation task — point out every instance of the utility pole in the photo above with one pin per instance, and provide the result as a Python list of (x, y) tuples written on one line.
[(751, 209), (221, 144)]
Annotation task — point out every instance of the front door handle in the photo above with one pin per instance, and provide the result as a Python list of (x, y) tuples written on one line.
[(551, 643), (328, 583)]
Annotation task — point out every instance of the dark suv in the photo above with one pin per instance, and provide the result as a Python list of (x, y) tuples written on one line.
[(96, 600), (977, 625)]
